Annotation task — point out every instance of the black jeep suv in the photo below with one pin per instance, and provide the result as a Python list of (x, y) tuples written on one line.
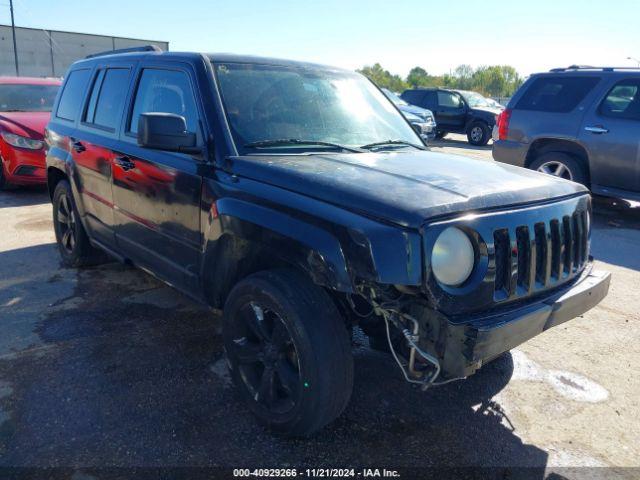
[(456, 112), (577, 123), (299, 200)]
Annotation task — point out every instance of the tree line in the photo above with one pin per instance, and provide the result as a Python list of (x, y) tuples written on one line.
[(492, 81)]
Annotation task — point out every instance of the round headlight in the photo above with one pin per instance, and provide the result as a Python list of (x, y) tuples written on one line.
[(453, 257)]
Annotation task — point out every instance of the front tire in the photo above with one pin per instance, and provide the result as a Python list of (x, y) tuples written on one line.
[(440, 135), (289, 351), (73, 242), (478, 134)]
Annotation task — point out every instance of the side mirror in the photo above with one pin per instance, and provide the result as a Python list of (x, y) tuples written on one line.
[(166, 131)]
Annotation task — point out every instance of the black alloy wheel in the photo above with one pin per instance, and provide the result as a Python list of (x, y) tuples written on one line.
[(66, 220), (268, 362)]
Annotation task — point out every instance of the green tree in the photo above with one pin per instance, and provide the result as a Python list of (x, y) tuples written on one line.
[(383, 78), (464, 77), (418, 77)]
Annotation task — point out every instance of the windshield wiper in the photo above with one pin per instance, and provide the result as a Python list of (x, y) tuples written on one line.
[(297, 141), (391, 142)]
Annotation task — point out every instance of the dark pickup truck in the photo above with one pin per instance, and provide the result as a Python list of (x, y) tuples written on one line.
[(298, 199), (456, 111)]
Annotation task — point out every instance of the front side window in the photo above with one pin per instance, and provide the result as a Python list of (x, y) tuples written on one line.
[(27, 98), (165, 91), (559, 94), (73, 94), (623, 101), (475, 99), (265, 103), (107, 98), (449, 100)]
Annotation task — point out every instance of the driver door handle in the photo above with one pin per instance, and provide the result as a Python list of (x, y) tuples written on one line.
[(597, 129), (125, 163)]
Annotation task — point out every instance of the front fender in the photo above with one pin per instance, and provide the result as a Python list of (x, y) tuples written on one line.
[(311, 248)]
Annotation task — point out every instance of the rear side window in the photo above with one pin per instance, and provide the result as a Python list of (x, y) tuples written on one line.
[(165, 91), (107, 97), (412, 96), (556, 94), (623, 100), (73, 94)]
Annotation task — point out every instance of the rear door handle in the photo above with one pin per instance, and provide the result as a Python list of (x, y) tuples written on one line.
[(125, 163), (77, 146), (598, 129)]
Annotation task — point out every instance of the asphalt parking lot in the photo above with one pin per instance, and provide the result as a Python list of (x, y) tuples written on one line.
[(108, 367)]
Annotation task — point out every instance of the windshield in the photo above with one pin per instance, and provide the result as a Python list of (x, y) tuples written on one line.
[(393, 97), (475, 99), (264, 103), (27, 98)]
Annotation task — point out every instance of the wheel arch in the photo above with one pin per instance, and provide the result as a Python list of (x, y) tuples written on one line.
[(246, 238), (54, 176), (542, 146)]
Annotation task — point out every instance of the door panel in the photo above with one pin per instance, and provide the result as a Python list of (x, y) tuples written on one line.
[(611, 134), (93, 168), (157, 201), (157, 193), (450, 112)]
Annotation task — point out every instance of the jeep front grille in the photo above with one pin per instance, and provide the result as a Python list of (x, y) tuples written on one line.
[(536, 257)]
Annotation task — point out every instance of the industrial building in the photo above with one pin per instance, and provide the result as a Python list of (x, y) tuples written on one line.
[(48, 53)]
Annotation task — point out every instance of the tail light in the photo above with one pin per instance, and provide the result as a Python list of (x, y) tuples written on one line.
[(503, 123)]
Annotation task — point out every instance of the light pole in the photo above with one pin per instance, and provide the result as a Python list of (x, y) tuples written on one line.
[(13, 31), (635, 60)]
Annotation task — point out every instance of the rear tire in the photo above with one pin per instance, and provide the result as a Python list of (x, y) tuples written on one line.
[(561, 165), (73, 242), (478, 134), (294, 385)]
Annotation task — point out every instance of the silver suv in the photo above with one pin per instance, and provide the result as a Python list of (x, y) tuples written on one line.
[(578, 123)]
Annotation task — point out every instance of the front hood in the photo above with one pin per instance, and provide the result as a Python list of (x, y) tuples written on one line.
[(490, 110), (405, 188), (27, 124), (420, 112)]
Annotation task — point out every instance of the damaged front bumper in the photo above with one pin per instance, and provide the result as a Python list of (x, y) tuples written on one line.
[(463, 346)]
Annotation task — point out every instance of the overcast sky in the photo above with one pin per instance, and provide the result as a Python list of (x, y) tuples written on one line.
[(532, 36)]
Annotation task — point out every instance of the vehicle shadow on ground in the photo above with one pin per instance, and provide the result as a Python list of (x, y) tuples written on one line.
[(615, 237), (459, 143), (24, 197), (128, 372)]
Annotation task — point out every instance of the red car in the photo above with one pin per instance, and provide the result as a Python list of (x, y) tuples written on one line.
[(25, 107)]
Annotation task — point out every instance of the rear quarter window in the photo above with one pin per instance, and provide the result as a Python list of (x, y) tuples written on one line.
[(556, 94), (72, 94), (623, 101)]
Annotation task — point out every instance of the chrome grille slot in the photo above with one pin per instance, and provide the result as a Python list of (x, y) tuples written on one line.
[(541, 252), (556, 250), (567, 230), (503, 262), (523, 244)]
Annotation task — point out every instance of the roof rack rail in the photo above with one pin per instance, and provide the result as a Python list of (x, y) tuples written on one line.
[(145, 48), (588, 67)]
